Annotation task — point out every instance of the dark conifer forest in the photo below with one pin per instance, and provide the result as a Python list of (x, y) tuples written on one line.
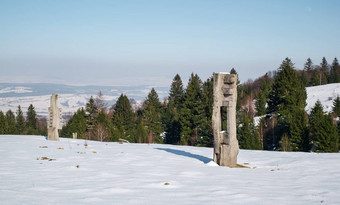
[(277, 100)]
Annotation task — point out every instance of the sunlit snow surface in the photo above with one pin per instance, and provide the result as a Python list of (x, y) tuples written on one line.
[(112, 173), (325, 94)]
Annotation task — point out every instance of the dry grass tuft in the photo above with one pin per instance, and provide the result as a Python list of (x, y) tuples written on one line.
[(166, 183), (241, 166), (45, 158)]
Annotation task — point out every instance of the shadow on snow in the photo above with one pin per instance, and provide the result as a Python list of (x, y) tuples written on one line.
[(203, 159)]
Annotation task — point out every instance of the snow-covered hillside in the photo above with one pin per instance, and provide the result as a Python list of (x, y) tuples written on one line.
[(325, 93), (71, 98), (36, 171)]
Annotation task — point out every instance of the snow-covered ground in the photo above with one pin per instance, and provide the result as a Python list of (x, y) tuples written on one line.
[(325, 93), (36, 171)]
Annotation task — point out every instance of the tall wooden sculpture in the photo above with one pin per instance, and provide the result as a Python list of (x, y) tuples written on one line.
[(225, 97), (55, 119)]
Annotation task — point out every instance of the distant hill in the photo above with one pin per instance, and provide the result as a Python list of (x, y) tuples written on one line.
[(70, 97)]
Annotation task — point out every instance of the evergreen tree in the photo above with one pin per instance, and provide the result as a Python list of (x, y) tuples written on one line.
[(262, 96), (298, 133), (334, 76), (206, 136), (91, 113), (31, 121), (172, 124), (323, 71), (20, 119), (247, 135), (172, 110), (153, 117), (176, 92), (287, 100), (77, 124), (140, 130), (304, 78), (315, 79), (122, 119), (287, 91), (3, 123), (192, 111), (336, 106), (12, 129), (233, 71), (323, 133), (308, 65)]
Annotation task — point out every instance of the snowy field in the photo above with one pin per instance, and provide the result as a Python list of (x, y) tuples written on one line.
[(36, 171)]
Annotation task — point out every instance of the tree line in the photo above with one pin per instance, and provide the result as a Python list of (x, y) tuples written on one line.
[(183, 118), (270, 113), (17, 123), (277, 101)]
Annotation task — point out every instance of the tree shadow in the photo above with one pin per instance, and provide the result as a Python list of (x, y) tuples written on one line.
[(203, 159)]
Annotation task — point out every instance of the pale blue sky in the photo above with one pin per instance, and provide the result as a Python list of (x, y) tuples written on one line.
[(131, 42)]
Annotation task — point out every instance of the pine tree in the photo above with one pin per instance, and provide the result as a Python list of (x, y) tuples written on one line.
[(153, 117), (3, 123), (287, 100), (192, 111), (172, 124), (20, 119), (176, 95), (308, 65), (287, 91), (12, 129), (247, 135), (334, 76), (315, 79), (77, 124), (336, 106), (31, 118), (91, 113), (206, 136), (233, 71), (298, 135), (304, 78), (323, 133), (122, 119), (140, 130), (262, 96), (171, 115), (323, 71)]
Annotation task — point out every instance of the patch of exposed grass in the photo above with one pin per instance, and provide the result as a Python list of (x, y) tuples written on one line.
[(45, 158), (241, 166)]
